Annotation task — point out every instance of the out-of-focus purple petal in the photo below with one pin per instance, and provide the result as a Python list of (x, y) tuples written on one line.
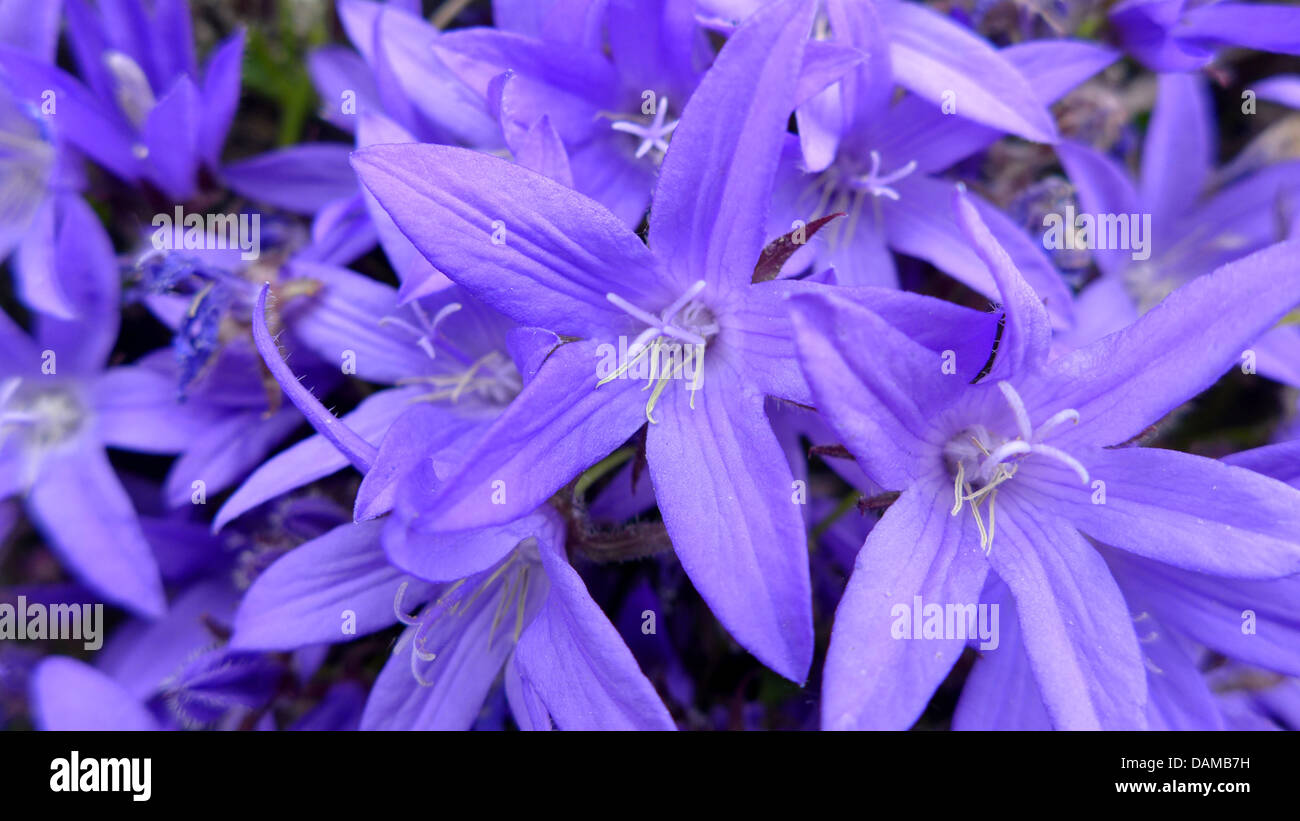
[(933, 56), (302, 178), (70, 695), (220, 97), (81, 507)]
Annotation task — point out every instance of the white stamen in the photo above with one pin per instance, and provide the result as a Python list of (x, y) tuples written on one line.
[(1017, 408)]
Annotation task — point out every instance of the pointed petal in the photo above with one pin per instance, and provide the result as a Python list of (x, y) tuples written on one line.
[(171, 136), (302, 178), (1180, 146), (1103, 187), (1000, 693), (221, 96), (933, 55), (84, 512), (1180, 509), (86, 265), (874, 678), (1028, 334), (1076, 626), (325, 591), (1259, 26), (535, 250), (1130, 379), (577, 664), (70, 695), (727, 497), (709, 217)]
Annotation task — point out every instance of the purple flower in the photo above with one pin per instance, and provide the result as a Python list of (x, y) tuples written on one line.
[(492, 598), (1198, 219), (59, 407), (551, 258), (614, 113), (1017, 470), (879, 163), (141, 108), (169, 674), (1184, 35)]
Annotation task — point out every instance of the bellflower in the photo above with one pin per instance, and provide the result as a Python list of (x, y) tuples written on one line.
[(493, 597), (169, 674), (1185, 35), (878, 162), (1015, 471), (446, 351), (141, 108), (206, 298), (59, 407), (1196, 222), (570, 266), (614, 113)]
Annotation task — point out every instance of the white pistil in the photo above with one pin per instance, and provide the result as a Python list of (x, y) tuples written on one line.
[(426, 330), (130, 87), (876, 185), (838, 190), (649, 341), (997, 466), (653, 135)]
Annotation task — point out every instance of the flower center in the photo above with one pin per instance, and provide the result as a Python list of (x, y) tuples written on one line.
[(492, 376), (686, 320), (845, 187), (504, 588), (41, 419), (654, 134), (26, 155), (980, 461)]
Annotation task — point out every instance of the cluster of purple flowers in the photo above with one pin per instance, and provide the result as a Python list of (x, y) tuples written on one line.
[(694, 364)]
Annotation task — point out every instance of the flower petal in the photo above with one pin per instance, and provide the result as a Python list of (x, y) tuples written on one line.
[(537, 251), (709, 216), (1076, 626), (729, 502), (577, 664), (325, 591), (874, 677), (70, 695)]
